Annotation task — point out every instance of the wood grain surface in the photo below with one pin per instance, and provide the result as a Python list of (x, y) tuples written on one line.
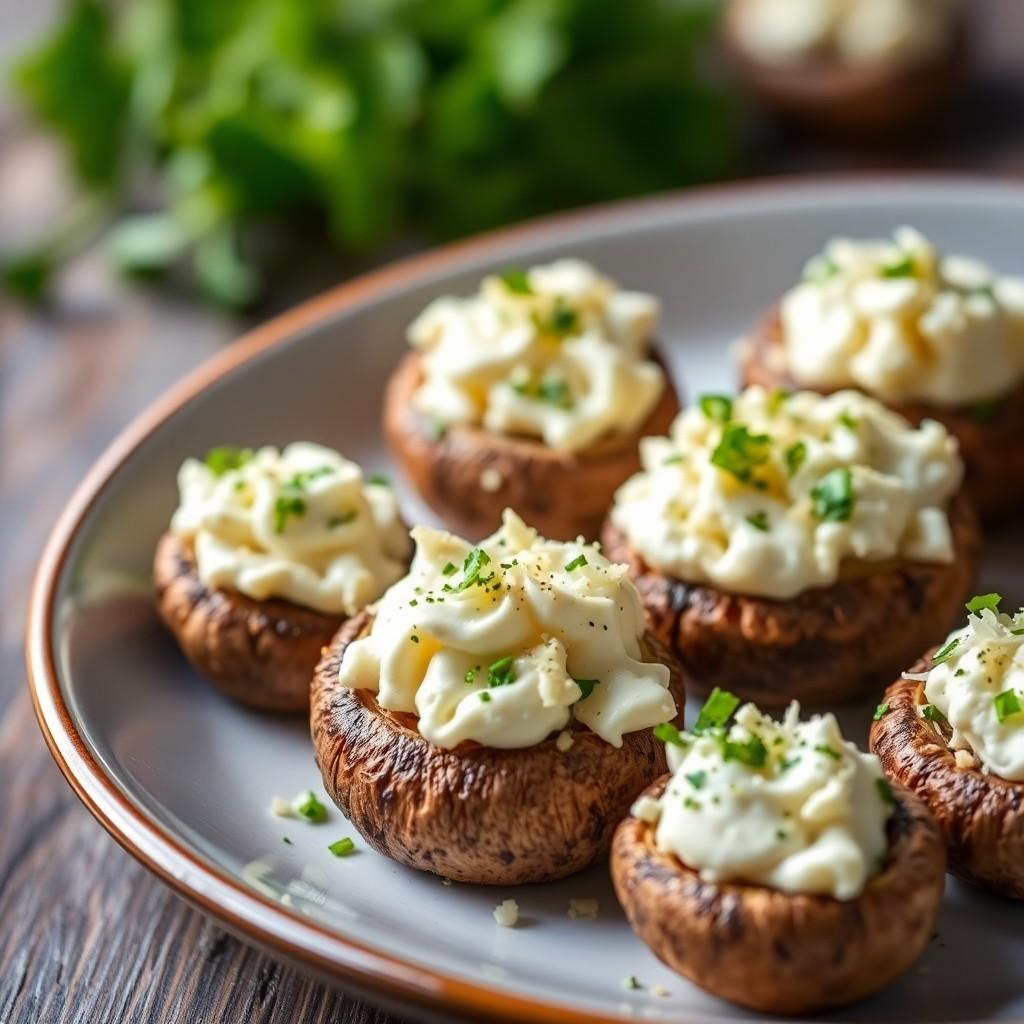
[(86, 934)]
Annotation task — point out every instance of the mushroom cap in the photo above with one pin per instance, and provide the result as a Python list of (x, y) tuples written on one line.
[(259, 653), (780, 952), (563, 494), (991, 442), (826, 644), (981, 815), (474, 813), (856, 101)]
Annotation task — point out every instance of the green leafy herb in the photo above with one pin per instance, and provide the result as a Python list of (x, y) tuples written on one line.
[(485, 697), (299, 480), (449, 569), (577, 563), (759, 521), (777, 399), (903, 267), (833, 496), (880, 712), (220, 460), (668, 733), (307, 806), (717, 710), (717, 408), (788, 762), (1007, 704), (796, 455), (586, 686), (933, 714), (343, 847), (739, 452), (752, 752), (697, 779), (378, 480), (515, 279), (946, 652), (286, 507), (847, 420), (342, 520), (827, 751), (499, 673), (885, 791), (475, 561), (978, 604), (564, 320)]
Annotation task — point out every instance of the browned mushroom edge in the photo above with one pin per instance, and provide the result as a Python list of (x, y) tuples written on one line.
[(991, 436), (780, 952), (826, 644), (475, 813), (981, 815), (564, 495), (259, 653)]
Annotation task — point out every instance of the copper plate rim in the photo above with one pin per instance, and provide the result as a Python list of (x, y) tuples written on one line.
[(212, 890)]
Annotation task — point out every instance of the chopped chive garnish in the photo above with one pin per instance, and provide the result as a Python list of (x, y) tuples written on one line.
[(1007, 704), (378, 480), (717, 408), (299, 480), (847, 420), (342, 847), (717, 710), (823, 748), (577, 563), (900, 268), (776, 399), (759, 521), (564, 319), (833, 496), (516, 281), (946, 652), (475, 561), (885, 791), (485, 696), (343, 520), (752, 752), (690, 804), (307, 806), (933, 714), (880, 712), (499, 673), (796, 455), (224, 458), (739, 452), (668, 733), (786, 763), (697, 779), (586, 686), (448, 569), (978, 604), (285, 507)]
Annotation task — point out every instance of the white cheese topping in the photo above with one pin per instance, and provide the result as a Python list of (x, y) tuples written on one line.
[(556, 352), (978, 686), (770, 494), (899, 321), (300, 524), (790, 805), (506, 643), (855, 31)]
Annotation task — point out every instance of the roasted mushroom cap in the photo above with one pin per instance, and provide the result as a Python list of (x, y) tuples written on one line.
[(469, 475), (260, 653), (826, 644), (981, 815), (475, 813), (780, 952), (991, 435), (850, 100)]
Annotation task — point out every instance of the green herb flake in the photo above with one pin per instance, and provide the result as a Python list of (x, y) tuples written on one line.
[(833, 496), (414, 638), (717, 408), (224, 458), (299, 480), (759, 521), (903, 267), (586, 686), (577, 563), (788, 762), (563, 320), (880, 712), (309, 807), (343, 847), (555, 392), (847, 420), (697, 779), (516, 281), (753, 753), (933, 714), (946, 652), (717, 710), (343, 520), (978, 604), (449, 569), (285, 508), (1007, 705), (668, 733), (690, 804), (378, 480), (827, 751), (485, 697), (739, 452), (474, 562), (777, 399), (796, 456), (499, 673), (885, 791)]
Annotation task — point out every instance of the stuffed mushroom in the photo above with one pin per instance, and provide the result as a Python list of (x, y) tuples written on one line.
[(932, 337), (268, 553), (531, 394), (952, 731), (776, 867), (490, 720), (796, 546)]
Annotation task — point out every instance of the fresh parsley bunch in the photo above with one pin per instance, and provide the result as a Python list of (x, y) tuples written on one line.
[(374, 116)]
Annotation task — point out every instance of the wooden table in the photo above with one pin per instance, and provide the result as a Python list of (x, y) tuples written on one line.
[(86, 935)]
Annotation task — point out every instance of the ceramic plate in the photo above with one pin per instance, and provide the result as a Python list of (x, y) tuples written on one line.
[(183, 779)]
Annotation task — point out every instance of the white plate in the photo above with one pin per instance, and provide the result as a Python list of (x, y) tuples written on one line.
[(182, 778)]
